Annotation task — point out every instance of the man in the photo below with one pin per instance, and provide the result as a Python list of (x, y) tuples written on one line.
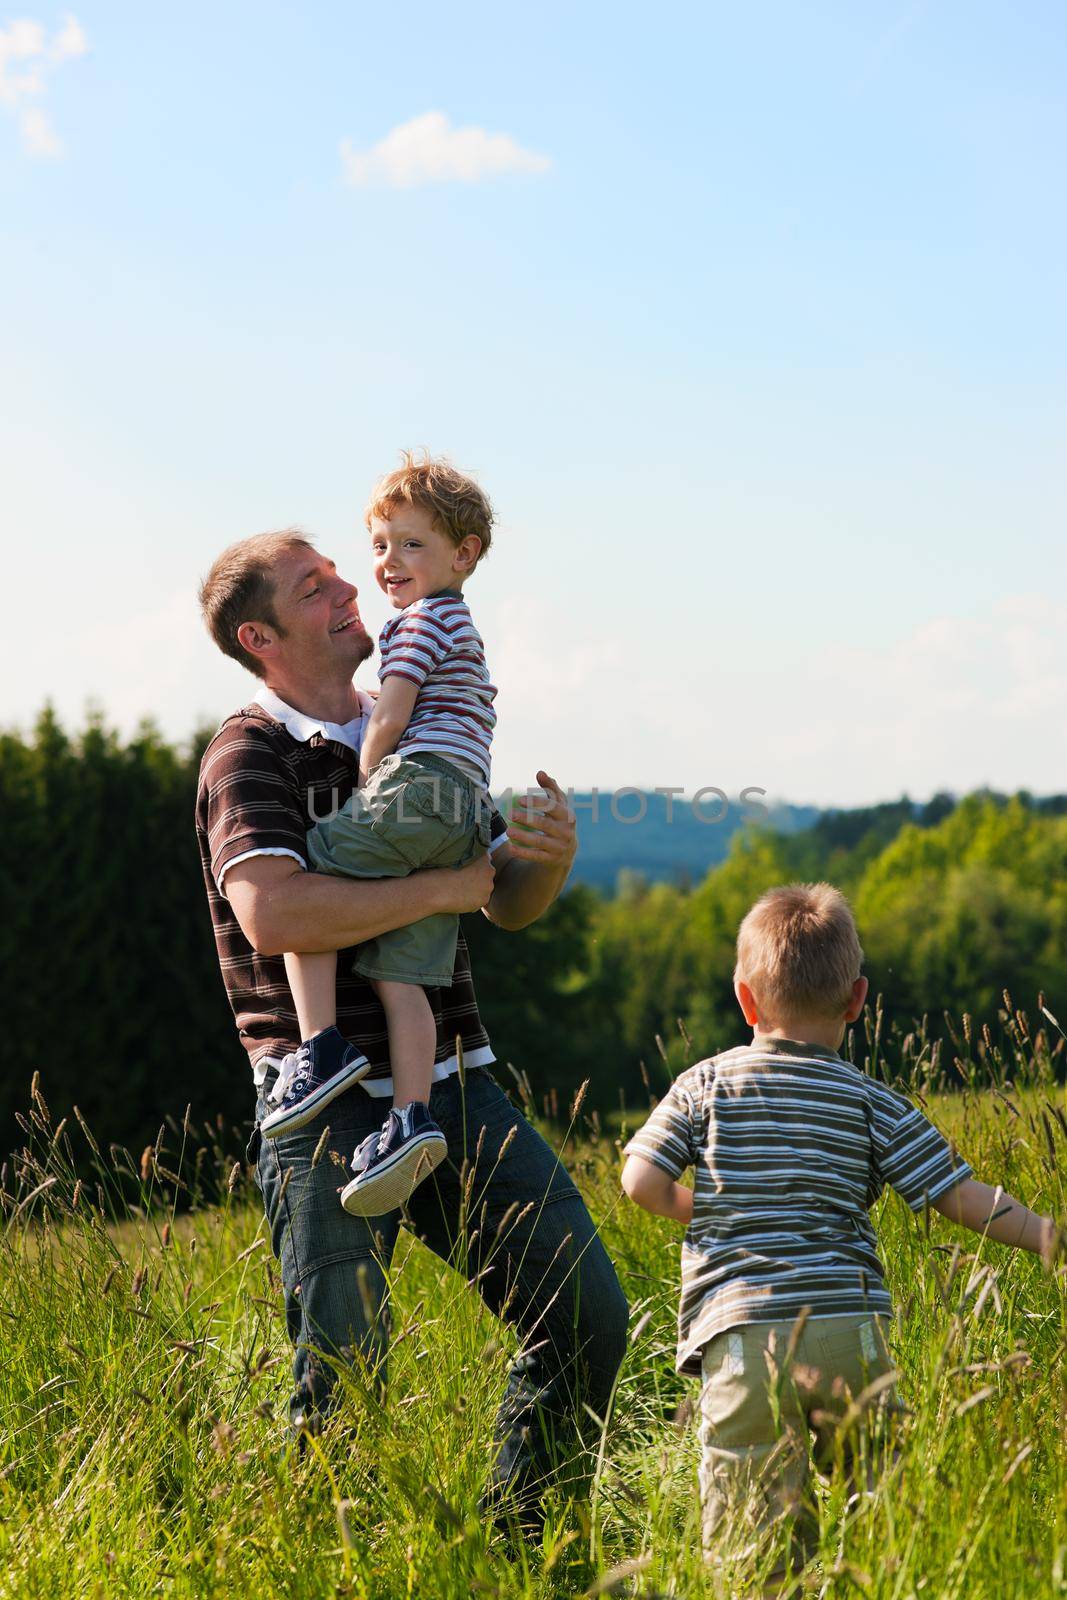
[(501, 1197)]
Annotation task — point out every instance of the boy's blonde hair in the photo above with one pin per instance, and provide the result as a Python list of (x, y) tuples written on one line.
[(799, 952), (457, 504)]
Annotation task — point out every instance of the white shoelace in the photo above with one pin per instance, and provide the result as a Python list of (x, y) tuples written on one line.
[(379, 1139), (293, 1066)]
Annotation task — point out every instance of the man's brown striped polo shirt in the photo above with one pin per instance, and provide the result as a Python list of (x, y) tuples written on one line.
[(260, 790)]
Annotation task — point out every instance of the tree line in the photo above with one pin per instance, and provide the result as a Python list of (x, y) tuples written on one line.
[(113, 993)]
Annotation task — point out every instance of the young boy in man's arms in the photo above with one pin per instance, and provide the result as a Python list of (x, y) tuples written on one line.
[(791, 1145), (423, 801)]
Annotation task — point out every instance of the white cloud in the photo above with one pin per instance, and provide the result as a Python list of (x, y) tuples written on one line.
[(21, 40), (38, 135), (71, 41), (563, 711), (26, 58), (428, 149), (959, 702), (952, 703)]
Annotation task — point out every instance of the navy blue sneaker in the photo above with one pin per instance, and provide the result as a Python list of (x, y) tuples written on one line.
[(389, 1164), (323, 1067)]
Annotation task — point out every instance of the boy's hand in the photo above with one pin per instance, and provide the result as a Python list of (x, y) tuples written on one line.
[(542, 827), (1053, 1244)]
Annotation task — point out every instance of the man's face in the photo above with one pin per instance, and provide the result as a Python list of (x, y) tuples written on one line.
[(318, 610), (412, 557)]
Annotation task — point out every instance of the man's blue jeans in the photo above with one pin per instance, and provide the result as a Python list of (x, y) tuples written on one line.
[(529, 1243)]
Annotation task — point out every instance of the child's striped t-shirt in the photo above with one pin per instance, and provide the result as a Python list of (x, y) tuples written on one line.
[(791, 1145), (435, 645)]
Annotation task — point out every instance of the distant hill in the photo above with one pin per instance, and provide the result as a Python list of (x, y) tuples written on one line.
[(675, 841)]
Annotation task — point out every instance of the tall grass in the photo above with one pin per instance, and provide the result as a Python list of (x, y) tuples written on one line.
[(144, 1379)]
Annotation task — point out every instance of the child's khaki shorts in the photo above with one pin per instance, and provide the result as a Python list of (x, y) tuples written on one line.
[(765, 1420), (416, 811)]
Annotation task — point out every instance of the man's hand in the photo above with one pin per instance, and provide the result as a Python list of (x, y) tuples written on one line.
[(533, 862), (542, 827), (469, 888)]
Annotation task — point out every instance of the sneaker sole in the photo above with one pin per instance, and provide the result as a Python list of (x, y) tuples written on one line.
[(289, 1121), (391, 1184)]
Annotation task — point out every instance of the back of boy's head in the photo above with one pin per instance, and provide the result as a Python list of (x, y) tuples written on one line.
[(458, 505), (799, 952)]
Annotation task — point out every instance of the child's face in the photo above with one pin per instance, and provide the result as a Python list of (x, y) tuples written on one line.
[(413, 558)]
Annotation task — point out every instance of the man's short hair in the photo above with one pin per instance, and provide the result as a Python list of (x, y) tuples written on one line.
[(240, 588), (799, 952), (458, 505)]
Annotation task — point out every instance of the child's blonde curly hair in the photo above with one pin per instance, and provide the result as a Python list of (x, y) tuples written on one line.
[(457, 504)]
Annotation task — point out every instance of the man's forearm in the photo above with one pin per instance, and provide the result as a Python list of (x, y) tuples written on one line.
[(523, 891), (311, 911), (280, 907)]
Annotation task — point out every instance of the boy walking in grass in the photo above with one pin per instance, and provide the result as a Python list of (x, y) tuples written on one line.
[(784, 1309)]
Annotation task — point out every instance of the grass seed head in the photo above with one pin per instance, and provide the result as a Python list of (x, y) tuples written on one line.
[(222, 1438), (640, 1327)]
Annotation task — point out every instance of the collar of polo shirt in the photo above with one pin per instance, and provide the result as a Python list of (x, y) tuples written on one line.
[(303, 727)]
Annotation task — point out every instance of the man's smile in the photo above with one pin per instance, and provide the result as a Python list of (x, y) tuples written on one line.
[(340, 627)]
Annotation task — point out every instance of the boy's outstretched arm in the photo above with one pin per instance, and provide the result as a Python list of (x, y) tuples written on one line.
[(649, 1186), (997, 1215)]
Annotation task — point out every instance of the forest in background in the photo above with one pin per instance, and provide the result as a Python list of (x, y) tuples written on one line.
[(113, 994)]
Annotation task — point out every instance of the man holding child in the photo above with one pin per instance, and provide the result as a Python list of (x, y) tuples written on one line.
[(500, 1196)]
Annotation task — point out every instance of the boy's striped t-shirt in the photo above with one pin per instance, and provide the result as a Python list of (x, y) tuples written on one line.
[(435, 645), (791, 1145)]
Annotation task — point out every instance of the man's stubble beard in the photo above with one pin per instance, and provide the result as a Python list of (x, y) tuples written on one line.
[(366, 651)]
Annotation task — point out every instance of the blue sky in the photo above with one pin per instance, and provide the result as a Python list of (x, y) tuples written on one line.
[(755, 332)]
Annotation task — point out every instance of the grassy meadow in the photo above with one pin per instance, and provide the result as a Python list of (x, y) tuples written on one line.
[(144, 1379)]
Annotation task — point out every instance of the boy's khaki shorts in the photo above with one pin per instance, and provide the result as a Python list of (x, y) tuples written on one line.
[(765, 1420), (416, 811)]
